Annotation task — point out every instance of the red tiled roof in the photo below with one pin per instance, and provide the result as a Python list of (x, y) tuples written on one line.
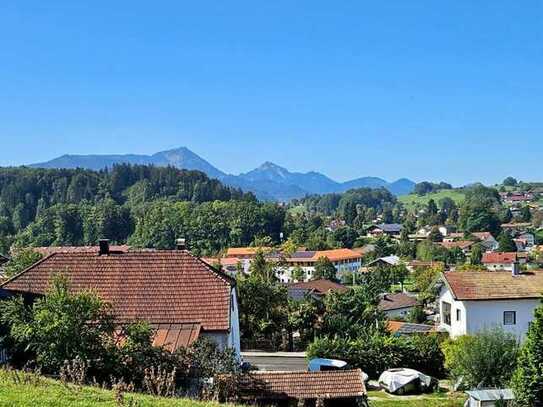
[(499, 257), (494, 285), (171, 287), (330, 384), (462, 244), (321, 286), (396, 301)]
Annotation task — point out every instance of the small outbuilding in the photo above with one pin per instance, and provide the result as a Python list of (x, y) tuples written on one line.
[(334, 388), (489, 397)]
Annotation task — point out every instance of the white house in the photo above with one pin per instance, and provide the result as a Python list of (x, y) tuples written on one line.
[(472, 301), (502, 260), (397, 305), (344, 260)]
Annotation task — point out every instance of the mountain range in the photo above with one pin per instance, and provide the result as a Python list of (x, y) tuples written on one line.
[(268, 182)]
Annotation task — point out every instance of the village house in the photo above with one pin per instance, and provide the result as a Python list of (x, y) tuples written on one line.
[(389, 229), (494, 261), (473, 301), (386, 261), (181, 296), (316, 289), (485, 239), (397, 305), (344, 260), (464, 245)]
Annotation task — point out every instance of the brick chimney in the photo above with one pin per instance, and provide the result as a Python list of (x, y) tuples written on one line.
[(104, 247)]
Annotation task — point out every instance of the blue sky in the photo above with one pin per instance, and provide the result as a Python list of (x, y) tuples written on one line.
[(428, 90)]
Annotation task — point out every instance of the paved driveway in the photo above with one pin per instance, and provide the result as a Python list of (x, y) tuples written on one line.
[(282, 361)]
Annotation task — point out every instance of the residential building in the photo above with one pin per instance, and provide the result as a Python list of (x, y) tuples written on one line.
[(494, 261), (473, 301), (464, 245), (344, 260), (315, 288), (389, 229), (516, 228), (181, 296), (397, 305), (333, 387), (386, 261)]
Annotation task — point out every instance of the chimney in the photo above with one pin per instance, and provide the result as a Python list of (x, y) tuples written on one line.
[(515, 269), (104, 247), (180, 244)]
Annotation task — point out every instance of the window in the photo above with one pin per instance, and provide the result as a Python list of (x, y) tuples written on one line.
[(446, 313), (509, 317), (458, 314)]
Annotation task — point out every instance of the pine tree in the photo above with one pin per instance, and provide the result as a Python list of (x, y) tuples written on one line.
[(506, 243), (528, 377)]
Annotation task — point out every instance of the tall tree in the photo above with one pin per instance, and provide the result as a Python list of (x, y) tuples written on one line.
[(324, 268), (528, 378), (506, 243)]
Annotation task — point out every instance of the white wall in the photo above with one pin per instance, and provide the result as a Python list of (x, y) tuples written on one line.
[(234, 336), (476, 316), (488, 314), (457, 327)]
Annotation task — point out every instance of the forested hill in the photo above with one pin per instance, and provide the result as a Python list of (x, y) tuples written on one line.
[(147, 206), (76, 207)]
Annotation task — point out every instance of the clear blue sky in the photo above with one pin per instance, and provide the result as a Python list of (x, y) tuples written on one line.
[(428, 90)]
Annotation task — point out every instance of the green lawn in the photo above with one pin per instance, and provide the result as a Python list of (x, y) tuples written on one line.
[(379, 398), (413, 200), (18, 389)]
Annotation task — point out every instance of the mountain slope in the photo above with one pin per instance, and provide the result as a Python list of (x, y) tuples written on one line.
[(268, 182)]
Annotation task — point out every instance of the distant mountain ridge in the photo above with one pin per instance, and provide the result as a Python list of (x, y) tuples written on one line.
[(268, 182)]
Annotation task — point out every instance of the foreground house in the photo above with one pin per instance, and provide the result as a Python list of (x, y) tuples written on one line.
[(473, 301), (181, 296), (334, 387), (315, 288)]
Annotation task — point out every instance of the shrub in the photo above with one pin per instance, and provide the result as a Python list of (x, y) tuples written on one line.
[(377, 353), (486, 359)]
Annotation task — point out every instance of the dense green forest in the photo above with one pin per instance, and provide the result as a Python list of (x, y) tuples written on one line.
[(148, 206)]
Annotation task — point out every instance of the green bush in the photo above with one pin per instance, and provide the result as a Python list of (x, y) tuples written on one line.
[(377, 353), (487, 359)]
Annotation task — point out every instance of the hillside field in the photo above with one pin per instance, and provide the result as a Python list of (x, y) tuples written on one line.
[(414, 200), (19, 389)]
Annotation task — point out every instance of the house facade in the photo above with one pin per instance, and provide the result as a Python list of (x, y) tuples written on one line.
[(344, 260), (397, 305), (179, 295), (470, 302), (500, 261)]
